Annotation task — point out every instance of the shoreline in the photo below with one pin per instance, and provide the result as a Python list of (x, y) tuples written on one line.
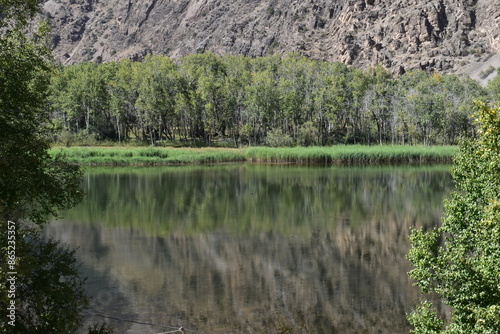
[(330, 155)]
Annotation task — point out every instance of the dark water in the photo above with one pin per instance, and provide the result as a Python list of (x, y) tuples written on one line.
[(252, 248)]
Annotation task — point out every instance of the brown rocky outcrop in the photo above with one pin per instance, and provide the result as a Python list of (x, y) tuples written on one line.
[(407, 34)]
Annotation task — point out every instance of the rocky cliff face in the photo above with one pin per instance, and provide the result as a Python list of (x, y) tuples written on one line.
[(406, 34)]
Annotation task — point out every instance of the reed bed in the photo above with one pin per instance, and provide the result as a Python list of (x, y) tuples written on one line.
[(145, 156), (338, 155), (354, 154)]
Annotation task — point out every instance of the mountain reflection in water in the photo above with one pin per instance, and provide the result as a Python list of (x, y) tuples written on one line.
[(252, 249)]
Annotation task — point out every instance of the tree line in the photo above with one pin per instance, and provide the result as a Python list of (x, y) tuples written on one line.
[(276, 100)]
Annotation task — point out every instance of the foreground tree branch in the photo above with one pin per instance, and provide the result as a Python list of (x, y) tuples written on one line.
[(460, 261)]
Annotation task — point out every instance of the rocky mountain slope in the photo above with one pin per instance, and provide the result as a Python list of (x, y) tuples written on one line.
[(445, 35)]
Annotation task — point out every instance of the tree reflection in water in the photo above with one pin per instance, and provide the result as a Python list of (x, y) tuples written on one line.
[(245, 249)]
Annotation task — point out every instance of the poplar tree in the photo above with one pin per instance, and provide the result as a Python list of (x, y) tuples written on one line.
[(460, 260)]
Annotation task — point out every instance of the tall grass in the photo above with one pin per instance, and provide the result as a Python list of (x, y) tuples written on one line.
[(354, 154), (341, 154), (145, 156)]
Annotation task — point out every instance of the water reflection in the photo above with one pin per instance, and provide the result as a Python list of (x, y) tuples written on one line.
[(253, 249)]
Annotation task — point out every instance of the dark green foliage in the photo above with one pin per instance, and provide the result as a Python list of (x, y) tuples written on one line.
[(276, 138), (32, 184), (424, 319), (15, 14), (100, 329), (213, 100), (494, 87), (460, 261), (307, 134), (48, 294)]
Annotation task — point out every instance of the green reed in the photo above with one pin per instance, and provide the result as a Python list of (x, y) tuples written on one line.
[(145, 156), (354, 154), (339, 154)]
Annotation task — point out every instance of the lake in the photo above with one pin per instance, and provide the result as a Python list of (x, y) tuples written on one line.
[(252, 248)]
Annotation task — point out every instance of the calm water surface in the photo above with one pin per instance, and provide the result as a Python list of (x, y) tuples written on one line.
[(252, 248)]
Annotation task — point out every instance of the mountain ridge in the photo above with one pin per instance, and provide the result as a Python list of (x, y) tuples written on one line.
[(442, 35)]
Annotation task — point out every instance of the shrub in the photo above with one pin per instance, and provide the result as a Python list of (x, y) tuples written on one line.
[(276, 138), (308, 134)]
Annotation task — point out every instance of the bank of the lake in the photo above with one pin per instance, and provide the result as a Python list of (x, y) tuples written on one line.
[(354, 154), (339, 154)]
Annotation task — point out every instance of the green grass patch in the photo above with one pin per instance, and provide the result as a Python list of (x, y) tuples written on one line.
[(338, 155)]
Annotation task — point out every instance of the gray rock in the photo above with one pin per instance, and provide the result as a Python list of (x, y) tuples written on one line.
[(401, 35)]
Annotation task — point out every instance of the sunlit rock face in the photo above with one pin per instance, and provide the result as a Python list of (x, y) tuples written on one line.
[(441, 35)]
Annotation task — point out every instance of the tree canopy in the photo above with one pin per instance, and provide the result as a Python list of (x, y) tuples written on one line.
[(460, 260), (278, 100), (40, 289), (32, 184)]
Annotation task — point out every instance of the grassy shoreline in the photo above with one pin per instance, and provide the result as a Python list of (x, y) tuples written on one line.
[(355, 154), (332, 155)]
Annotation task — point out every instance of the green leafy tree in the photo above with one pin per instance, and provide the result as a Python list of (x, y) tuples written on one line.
[(81, 98), (156, 99), (47, 291), (237, 78), (210, 99), (493, 87), (460, 92), (123, 94), (426, 101), (330, 100), (377, 101), (307, 134), (292, 91), (276, 138), (17, 13), (210, 87), (351, 118), (460, 261), (260, 105), (32, 183), (201, 97)]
